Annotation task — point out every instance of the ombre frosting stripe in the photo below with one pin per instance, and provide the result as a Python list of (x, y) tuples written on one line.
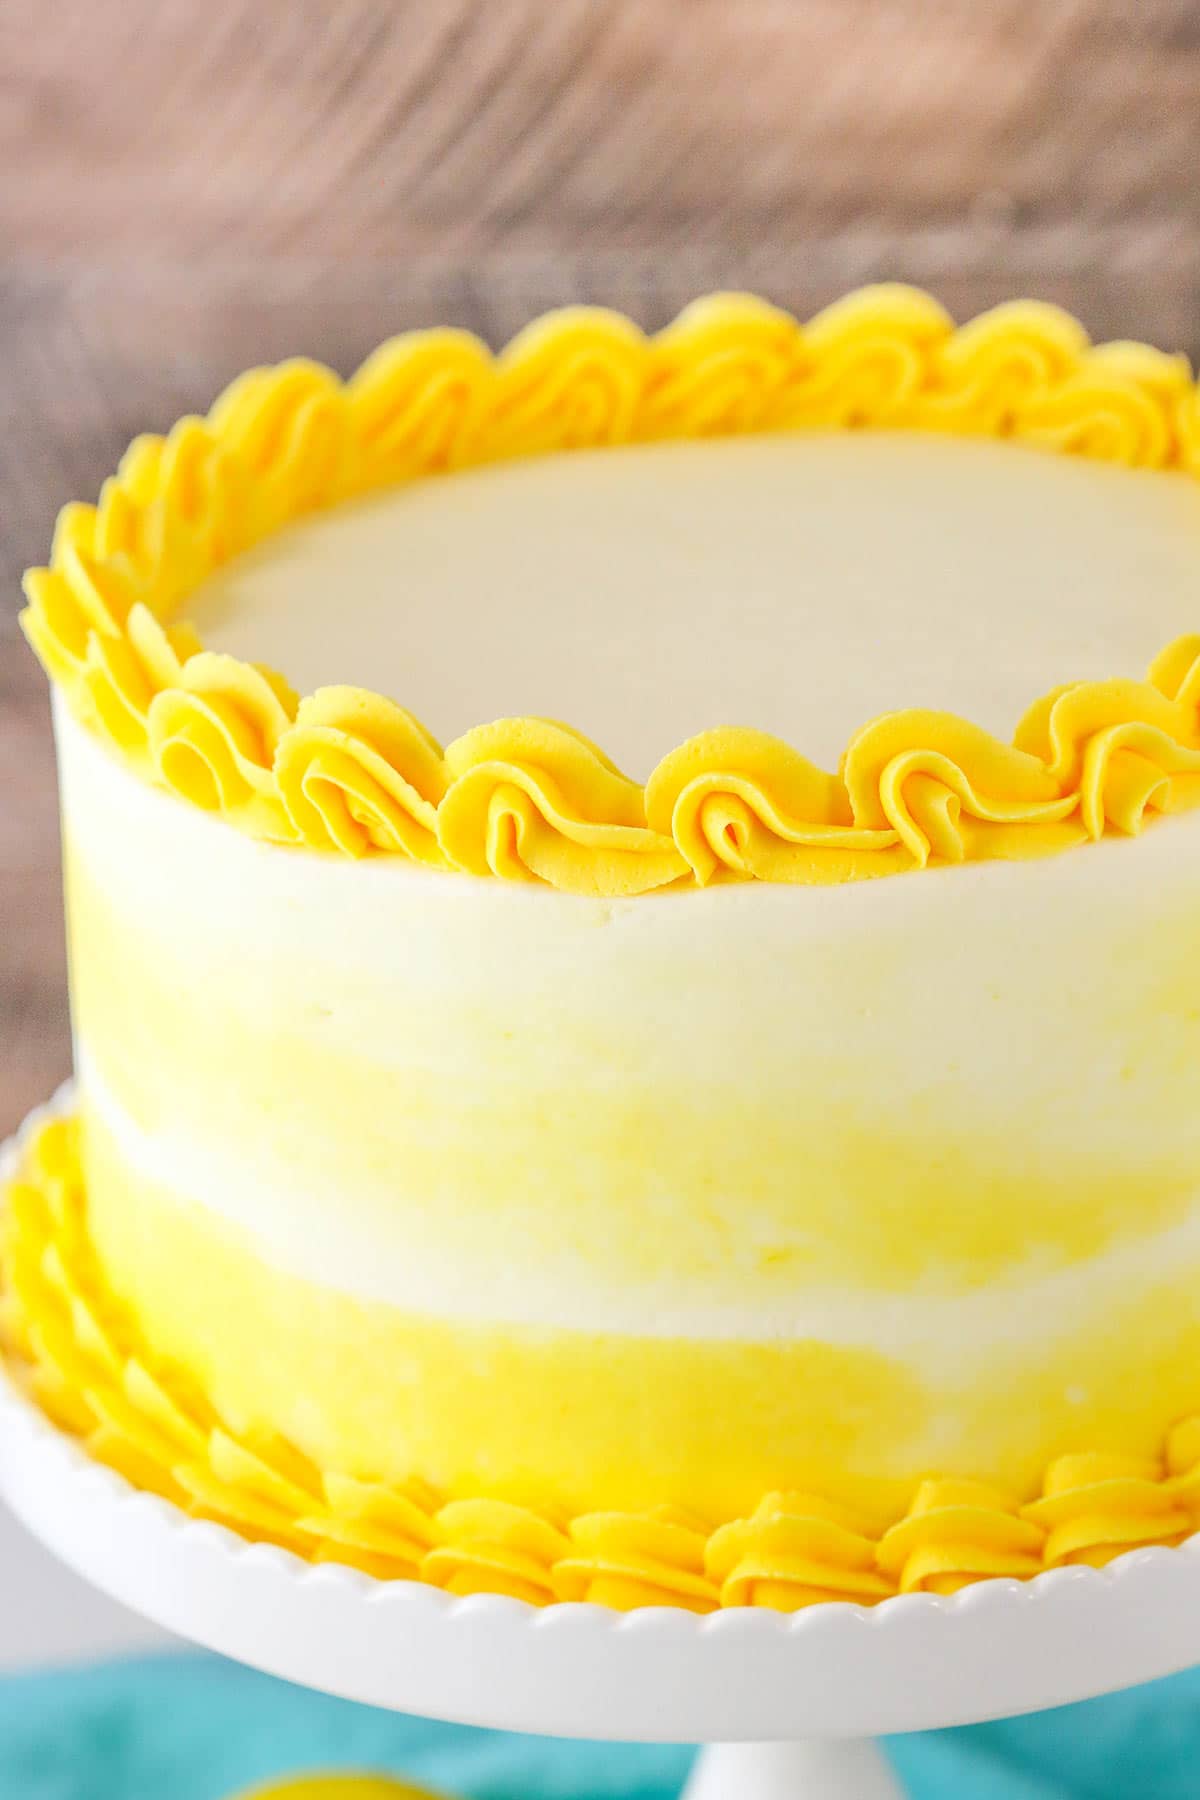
[(350, 773), (67, 1342)]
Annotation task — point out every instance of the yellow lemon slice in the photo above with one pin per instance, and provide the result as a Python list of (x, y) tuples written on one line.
[(338, 1787)]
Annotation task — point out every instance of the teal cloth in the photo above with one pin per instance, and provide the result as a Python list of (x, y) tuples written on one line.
[(193, 1727)]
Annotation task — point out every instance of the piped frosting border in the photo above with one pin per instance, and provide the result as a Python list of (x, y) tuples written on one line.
[(68, 1344), (350, 772)]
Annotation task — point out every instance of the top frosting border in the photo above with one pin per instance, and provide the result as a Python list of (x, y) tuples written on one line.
[(349, 771)]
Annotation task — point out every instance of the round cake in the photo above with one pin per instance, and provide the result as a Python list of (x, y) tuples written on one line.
[(724, 1128)]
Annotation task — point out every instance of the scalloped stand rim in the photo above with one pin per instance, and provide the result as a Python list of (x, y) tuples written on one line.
[(757, 1683)]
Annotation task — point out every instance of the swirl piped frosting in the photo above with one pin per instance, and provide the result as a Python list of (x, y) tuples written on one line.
[(357, 773), (794, 1551), (494, 1547), (957, 1532), (624, 1560), (348, 772), (71, 1347), (1094, 1507)]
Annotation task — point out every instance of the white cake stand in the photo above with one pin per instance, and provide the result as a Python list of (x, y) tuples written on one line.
[(788, 1703)]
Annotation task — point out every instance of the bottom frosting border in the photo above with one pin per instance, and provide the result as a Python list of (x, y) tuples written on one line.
[(69, 1347)]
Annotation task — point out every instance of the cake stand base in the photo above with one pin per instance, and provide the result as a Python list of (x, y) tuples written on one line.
[(813, 1769)]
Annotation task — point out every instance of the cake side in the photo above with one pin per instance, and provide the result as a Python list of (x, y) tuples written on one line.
[(617, 1204)]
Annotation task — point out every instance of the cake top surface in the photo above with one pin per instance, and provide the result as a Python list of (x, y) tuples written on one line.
[(782, 577), (799, 584)]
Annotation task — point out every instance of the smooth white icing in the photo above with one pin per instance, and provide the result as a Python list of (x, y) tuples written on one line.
[(800, 584), (708, 987)]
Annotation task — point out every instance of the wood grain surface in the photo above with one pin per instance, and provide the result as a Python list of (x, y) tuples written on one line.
[(191, 186)]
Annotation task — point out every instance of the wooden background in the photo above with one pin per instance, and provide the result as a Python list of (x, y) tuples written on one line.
[(189, 186)]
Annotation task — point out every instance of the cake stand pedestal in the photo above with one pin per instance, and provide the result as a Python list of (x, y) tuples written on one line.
[(789, 1702)]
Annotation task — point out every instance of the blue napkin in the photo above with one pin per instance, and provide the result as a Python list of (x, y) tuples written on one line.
[(193, 1727)]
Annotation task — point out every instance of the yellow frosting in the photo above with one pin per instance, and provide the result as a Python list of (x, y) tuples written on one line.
[(348, 772), (81, 1357), (655, 1558), (794, 1550), (957, 1532)]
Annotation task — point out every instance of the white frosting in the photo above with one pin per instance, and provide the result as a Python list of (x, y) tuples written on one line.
[(733, 981), (800, 584), (972, 992), (333, 1250)]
